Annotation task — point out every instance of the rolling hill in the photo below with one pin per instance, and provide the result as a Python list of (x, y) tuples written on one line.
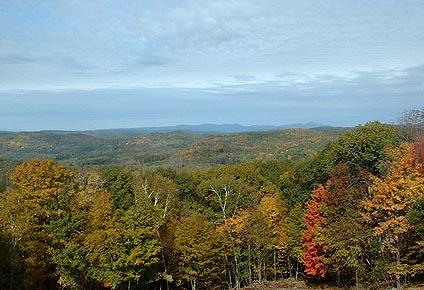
[(166, 148)]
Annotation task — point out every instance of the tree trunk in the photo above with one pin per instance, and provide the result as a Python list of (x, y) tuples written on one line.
[(398, 286), (165, 268), (297, 269), (338, 277), (250, 266), (236, 271), (275, 265), (356, 279), (11, 275), (230, 280), (260, 271), (289, 267), (12, 266)]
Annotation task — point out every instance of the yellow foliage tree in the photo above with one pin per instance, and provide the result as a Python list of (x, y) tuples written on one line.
[(41, 178), (391, 199), (25, 213)]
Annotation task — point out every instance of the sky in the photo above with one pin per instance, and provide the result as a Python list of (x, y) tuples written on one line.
[(80, 64)]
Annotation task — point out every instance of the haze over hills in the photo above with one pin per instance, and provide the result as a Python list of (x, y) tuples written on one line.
[(220, 128), (202, 128)]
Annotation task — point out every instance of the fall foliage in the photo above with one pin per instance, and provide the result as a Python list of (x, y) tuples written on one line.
[(314, 265), (350, 215)]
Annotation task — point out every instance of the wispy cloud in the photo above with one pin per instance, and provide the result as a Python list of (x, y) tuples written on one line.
[(102, 43)]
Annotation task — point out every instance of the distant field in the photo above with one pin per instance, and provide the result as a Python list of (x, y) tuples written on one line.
[(176, 148)]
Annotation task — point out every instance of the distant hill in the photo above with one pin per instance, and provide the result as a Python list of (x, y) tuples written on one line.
[(202, 128), (184, 147), (265, 145)]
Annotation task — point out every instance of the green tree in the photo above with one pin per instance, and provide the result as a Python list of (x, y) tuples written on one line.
[(67, 228), (199, 252), (366, 147), (293, 227), (118, 181), (415, 253)]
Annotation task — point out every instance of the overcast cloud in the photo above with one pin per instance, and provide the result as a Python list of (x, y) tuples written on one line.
[(100, 64)]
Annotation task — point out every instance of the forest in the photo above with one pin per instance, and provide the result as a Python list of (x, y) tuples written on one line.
[(163, 149), (348, 214)]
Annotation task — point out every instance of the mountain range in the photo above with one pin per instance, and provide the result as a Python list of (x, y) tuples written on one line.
[(206, 128)]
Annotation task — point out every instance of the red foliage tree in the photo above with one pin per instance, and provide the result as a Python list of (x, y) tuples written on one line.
[(314, 266)]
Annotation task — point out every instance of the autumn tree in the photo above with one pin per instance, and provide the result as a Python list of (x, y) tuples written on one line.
[(99, 241), (160, 193), (343, 230), (273, 210), (260, 244), (386, 210), (16, 224), (26, 212), (312, 260), (41, 178), (261, 238), (120, 249), (199, 252), (225, 195), (415, 216)]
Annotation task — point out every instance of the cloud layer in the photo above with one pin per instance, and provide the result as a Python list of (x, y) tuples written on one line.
[(326, 99), (132, 63)]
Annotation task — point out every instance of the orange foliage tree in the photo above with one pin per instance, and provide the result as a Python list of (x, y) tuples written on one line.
[(314, 265)]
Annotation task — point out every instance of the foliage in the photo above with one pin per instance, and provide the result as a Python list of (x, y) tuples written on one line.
[(366, 147), (343, 230), (199, 252), (391, 200), (392, 197), (314, 265), (225, 226), (118, 181), (176, 148)]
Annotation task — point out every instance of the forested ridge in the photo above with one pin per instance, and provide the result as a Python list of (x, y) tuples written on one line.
[(348, 214), (162, 149)]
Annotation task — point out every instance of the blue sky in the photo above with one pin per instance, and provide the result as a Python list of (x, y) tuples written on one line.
[(109, 64)]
